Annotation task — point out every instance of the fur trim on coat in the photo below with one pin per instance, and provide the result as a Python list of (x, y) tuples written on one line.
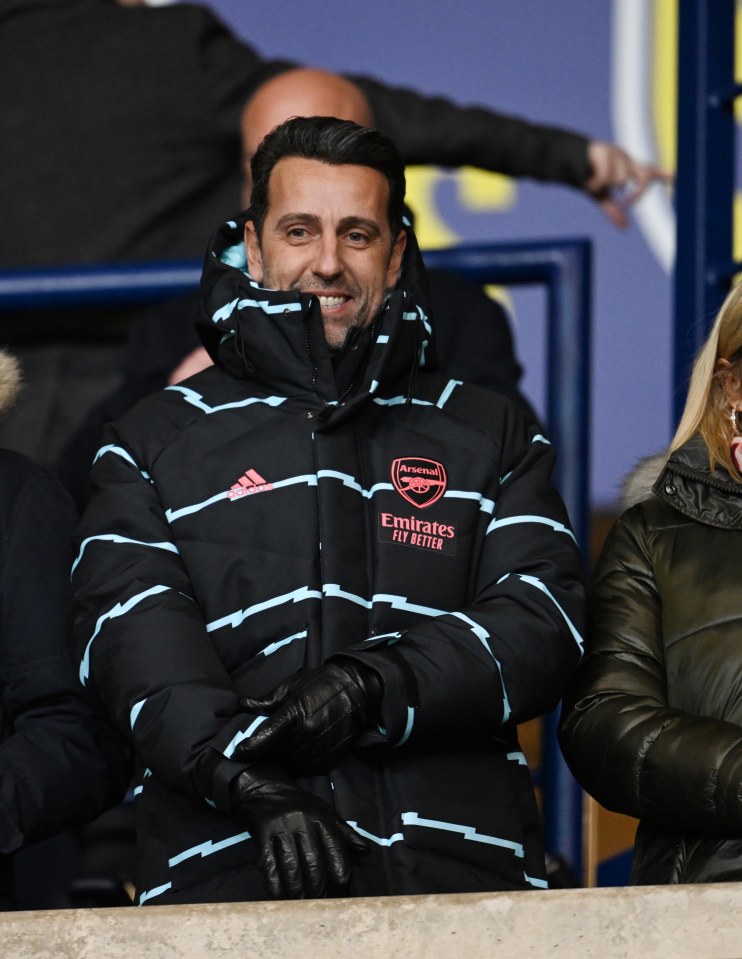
[(10, 380), (638, 484)]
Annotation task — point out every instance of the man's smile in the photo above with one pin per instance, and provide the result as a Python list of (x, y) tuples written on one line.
[(330, 302)]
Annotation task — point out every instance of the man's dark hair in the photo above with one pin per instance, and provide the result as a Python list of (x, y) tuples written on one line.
[(331, 141)]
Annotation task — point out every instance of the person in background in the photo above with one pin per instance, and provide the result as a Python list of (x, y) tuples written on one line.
[(652, 726), (146, 127), (61, 761)]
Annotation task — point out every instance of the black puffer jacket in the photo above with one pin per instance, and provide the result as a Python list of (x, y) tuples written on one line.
[(653, 724), (249, 523)]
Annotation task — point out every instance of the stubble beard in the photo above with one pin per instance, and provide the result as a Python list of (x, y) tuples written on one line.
[(337, 330)]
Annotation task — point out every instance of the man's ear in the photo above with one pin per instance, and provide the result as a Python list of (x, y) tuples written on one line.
[(252, 249), (395, 261)]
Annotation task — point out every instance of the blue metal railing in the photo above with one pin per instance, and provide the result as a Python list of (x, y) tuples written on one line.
[(563, 267), (114, 284), (705, 179)]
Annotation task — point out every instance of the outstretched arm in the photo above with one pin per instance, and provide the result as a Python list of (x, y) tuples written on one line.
[(435, 130)]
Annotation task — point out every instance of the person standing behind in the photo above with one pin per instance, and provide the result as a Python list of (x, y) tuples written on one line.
[(291, 591), (652, 726)]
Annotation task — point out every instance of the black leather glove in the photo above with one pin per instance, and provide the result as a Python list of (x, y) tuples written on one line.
[(314, 716), (304, 846)]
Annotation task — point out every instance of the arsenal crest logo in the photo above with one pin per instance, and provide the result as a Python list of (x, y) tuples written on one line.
[(422, 482)]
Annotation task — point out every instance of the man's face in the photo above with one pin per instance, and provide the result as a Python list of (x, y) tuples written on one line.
[(327, 232)]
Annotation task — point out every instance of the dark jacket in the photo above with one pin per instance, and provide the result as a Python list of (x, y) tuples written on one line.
[(653, 725), (249, 523), (61, 762)]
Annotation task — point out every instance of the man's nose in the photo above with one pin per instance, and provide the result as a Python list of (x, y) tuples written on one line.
[(328, 263)]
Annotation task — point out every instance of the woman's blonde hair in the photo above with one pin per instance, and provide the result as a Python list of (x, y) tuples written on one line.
[(707, 409)]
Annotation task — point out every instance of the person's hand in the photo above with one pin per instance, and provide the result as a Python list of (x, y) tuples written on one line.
[(303, 845), (612, 169), (314, 716)]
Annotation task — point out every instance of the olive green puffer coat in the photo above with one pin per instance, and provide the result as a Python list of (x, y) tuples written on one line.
[(652, 726)]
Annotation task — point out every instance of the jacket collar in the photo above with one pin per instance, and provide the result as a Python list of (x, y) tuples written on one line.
[(691, 487), (275, 339)]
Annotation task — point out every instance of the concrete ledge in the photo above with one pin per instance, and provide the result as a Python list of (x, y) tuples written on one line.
[(653, 922)]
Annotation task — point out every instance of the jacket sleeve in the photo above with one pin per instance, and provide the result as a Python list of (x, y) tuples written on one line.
[(427, 129), (430, 129), (625, 744), (139, 638), (61, 762), (509, 655), (225, 71)]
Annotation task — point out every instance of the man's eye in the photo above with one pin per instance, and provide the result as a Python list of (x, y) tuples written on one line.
[(356, 237), (298, 232)]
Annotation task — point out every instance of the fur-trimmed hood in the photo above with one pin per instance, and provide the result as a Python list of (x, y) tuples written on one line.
[(10, 380), (637, 485), (684, 480)]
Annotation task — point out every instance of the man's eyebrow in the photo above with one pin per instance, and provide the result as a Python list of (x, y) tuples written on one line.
[(348, 222), (301, 217)]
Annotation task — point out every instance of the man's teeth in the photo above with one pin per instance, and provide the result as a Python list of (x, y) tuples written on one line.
[(327, 301)]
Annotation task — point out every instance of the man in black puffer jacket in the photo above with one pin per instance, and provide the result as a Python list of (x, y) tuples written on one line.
[(318, 585)]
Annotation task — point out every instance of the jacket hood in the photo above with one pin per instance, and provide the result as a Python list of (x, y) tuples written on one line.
[(10, 380), (276, 337)]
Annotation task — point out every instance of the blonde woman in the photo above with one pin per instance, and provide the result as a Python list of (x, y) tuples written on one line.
[(653, 724)]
